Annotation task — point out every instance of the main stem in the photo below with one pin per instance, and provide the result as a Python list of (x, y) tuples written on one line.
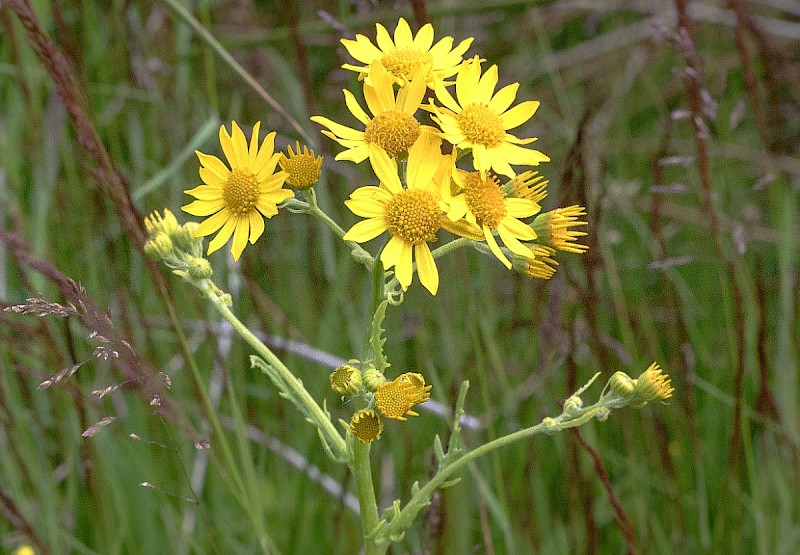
[(366, 496), (298, 391)]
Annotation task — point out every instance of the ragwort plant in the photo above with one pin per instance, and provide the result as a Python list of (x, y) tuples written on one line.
[(461, 171)]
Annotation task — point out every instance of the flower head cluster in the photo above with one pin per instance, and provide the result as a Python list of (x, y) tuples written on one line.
[(395, 399), (422, 191)]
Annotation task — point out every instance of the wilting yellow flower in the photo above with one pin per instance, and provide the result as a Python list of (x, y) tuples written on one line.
[(482, 202), (404, 55), (303, 167), (412, 216), (392, 128), (238, 199), (366, 425), (529, 185), (396, 398), (653, 385), (480, 119), (540, 266), (553, 228)]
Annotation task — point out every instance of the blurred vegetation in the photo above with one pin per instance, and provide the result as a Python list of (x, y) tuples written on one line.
[(682, 144)]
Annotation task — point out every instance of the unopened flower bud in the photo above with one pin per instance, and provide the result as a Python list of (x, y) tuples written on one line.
[(159, 246), (199, 268), (621, 384), (366, 425), (373, 379)]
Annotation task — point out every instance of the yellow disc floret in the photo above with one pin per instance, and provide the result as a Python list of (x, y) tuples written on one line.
[(366, 425), (481, 125), (404, 62), (394, 131), (303, 167), (240, 192), (414, 216), (395, 399), (485, 199)]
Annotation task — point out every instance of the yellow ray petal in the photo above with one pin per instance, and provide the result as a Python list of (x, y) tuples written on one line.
[(227, 147), (424, 38), (204, 207), (494, 247), (253, 152), (385, 168), (256, 225), (355, 109), (504, 98), (486, 86), (223, 235), (391, 252), (403, 267), (519, 114), (212, 224), (383, 39), (213, 164), (402, 34), (240, 236), (205, 192), (426, 268), (365, 230), (239, 145)]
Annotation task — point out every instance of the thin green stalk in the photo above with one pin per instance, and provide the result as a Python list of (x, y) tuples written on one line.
[(310, 207), (208, 408), (183, 14), (366, 495), (298, 392)]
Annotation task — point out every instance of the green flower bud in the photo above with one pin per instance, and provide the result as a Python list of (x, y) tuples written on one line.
[(159, 247), (621, 384), (373, 379), (199, 268)]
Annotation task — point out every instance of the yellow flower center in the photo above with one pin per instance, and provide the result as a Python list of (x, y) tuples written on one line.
[(485, 199), (393, 131), (481, 125), (413, 216), (366, 425), (393, 400), (240, 192), (404, 62)]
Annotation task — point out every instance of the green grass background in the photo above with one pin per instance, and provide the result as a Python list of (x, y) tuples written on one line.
[(718, 312)]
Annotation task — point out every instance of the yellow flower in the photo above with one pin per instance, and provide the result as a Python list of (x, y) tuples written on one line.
[(553, 228), (482, 202), (392, 127), (346, 380), (238, 199), (404, 55), (653, 385), (366, 425), (480, 119), (412, 216), (303, 167), (396, 398), (540, 266)]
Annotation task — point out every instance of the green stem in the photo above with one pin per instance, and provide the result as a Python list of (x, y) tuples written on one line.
[(311, 207), (366, 496), (297, 390), (423, 495)]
